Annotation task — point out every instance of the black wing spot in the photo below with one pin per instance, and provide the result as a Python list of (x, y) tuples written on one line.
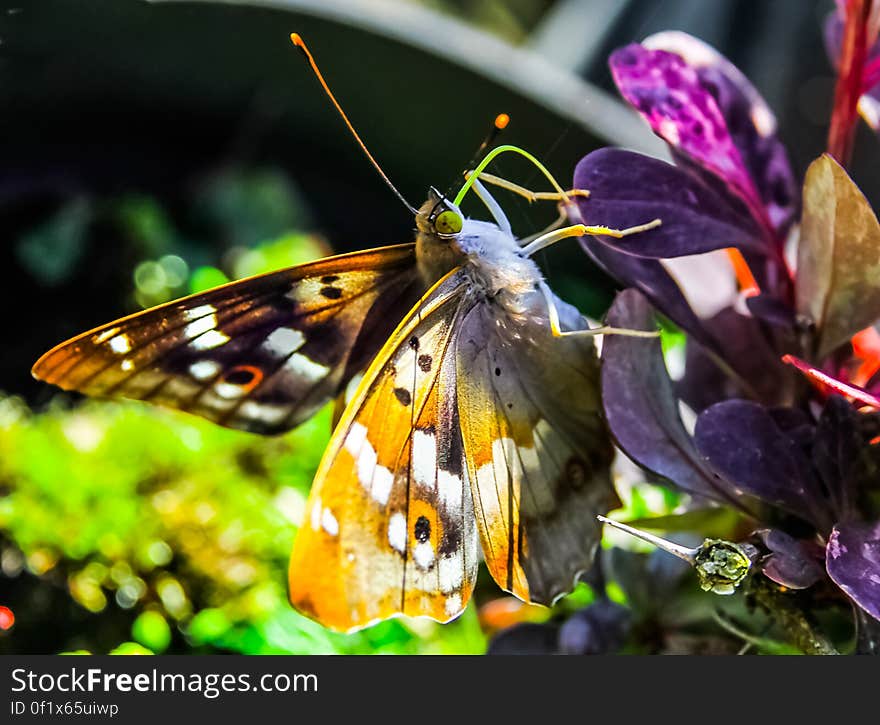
[(414, 342), (331, 293), (329, 278), (422, 529), (239, 376), (576, 471), (425, 362), (498, 371), (403, 395)]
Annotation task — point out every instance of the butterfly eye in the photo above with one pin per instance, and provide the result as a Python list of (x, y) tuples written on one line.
[(448, 222)]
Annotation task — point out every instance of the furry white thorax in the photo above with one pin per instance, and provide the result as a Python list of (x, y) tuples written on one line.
[(499, 269), (495, 260)]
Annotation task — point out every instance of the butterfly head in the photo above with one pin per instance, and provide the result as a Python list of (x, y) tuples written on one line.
[(438, 216)]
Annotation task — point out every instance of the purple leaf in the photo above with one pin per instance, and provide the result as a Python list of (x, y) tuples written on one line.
[(669, 94), (837, 454), (750, 123), (639, 403), (653, 280), (628, 189), (792, 563), (853, 562), (752, 366), (743, 443), (771, 310)]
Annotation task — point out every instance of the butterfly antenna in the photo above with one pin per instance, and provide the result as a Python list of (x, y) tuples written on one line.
[(300, 43), (498, 125), (500, 122)]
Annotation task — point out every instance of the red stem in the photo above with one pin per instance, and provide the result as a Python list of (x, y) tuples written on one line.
[(854, 51)]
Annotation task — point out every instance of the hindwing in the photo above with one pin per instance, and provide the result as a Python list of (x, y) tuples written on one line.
[(537, 451), (390, 524)]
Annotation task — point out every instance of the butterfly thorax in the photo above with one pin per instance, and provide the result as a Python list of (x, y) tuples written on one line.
[(495, 260)]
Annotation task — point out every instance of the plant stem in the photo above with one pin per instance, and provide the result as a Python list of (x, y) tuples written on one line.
[(784, 609), (854, 50)]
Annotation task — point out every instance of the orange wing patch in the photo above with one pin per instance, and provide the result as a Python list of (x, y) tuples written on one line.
[(390, 525)]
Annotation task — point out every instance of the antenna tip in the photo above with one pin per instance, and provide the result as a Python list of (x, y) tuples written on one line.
[(501, 121), (297, 40)]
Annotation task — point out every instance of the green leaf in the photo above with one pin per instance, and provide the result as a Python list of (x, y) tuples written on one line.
[(838, 275), (716, 522)]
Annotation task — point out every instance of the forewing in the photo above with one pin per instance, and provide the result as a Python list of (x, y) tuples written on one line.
[(390, 525), (261, 354), (537, 451)]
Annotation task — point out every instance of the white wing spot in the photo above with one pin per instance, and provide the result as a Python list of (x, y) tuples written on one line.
[(451, 571), (383, 480), (448, 490), (376, 480), (306, 368), (104, 336), (201, 329), (357, 434), (397, 532), (424, 458), (228, 390), (283, 341), (209, 340), (329, 522), (127, 364), (204, 369), (366, 464), (120, 344), (453, 604), (271, 414), (200, 311), (201, 326), (423, 554)]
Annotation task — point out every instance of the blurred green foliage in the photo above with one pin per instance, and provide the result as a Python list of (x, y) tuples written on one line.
[(182, 524)]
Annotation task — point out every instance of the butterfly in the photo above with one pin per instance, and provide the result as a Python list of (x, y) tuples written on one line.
[(475, 430)]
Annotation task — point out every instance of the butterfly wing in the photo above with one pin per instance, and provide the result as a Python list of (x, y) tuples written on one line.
[(260, 354), (390, 524), (537, 451)]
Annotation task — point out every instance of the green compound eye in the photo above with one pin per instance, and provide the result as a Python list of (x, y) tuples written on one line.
[(448, 222)]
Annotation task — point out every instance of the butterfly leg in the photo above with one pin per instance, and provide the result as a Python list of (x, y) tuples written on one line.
[(560, 220), (580, 230), (557, 331), (528, 194), (563, 199)]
